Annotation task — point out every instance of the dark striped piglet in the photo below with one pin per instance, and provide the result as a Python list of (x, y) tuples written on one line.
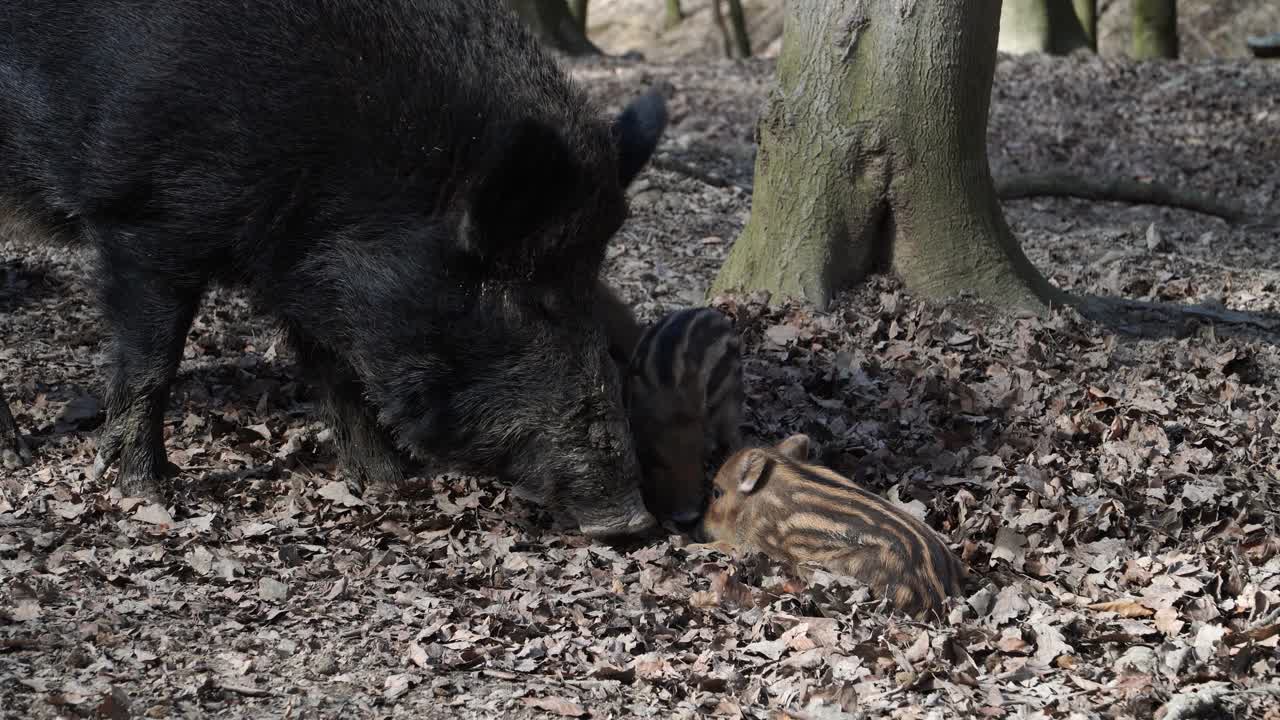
[(772, 500), (684, 397)]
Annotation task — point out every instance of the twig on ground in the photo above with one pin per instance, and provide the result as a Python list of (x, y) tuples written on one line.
[(681, 167), (1206, 701), (247, 690)]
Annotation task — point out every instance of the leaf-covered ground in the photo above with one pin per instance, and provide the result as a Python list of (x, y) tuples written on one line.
[(1116, 498)]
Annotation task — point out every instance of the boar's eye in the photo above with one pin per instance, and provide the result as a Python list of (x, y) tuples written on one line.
[(550, 302), (716, 492)]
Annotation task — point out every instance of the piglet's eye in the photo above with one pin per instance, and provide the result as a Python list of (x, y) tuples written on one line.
[(716, 493)]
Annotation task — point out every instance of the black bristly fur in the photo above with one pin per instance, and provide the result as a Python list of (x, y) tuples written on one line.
[(413, 188)]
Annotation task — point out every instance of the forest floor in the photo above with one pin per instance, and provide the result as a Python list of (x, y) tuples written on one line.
[(1116, 497)]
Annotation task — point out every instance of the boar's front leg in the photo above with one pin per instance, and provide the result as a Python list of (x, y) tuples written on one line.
[(621, 329), (14, 452), (369, 458), (149, 313)]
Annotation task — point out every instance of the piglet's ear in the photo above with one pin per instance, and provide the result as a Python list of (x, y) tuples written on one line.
[(753, 471), (636, 132), (795, 447), (523, 180)]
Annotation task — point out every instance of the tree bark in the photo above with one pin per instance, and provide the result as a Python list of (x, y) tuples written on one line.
[(579, 10), (1155, 29), (554, 25), (674, 15), (738, 23), (872, 156), (1044, 26)]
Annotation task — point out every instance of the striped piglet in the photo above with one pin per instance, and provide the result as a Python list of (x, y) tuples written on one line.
[(684, 396), (772, 500)]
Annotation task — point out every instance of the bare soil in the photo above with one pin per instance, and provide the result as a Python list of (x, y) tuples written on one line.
[(1115, 496)]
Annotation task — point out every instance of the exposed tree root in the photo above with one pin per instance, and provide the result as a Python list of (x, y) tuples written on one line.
[(1207, 702), (1054, 184), (1061, 184), (1152, 319)]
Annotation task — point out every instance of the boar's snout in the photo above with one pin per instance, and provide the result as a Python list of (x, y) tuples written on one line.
[(685, 517), (637, 521)]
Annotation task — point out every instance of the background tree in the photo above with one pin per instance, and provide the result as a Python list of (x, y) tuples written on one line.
[(872, 156), (555, 26), (674, 14), (738, 22), (1087, 15), (1155, 29), (737, 43), (579, 10), (1045, 26)]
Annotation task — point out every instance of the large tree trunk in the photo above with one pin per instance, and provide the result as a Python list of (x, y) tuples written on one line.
[(1044, 26), (1155, 29), (872, 156), (554, 25)]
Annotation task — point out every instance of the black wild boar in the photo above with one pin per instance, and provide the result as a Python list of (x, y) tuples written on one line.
[(772, 500), (621, 329), (411, 187), (684, 398)]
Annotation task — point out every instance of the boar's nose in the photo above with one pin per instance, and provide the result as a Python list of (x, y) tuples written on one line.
[(638, 523), (698, 534), (683, 518), (641, 522)]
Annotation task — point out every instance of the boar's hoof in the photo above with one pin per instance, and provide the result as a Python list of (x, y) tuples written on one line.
[(11, 459), (145, 485), (638, 524), (14, 451)]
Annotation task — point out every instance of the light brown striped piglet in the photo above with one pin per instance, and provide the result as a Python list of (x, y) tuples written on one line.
[(772, 500)]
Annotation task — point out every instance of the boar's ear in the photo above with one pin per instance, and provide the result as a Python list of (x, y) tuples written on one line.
[(637, 131), (754, 471), (525, 178), (795, 447)]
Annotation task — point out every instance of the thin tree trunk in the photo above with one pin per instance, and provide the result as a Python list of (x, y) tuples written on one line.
[(554, 25), (872, 157), (738, 21), (717, 16), (1087, 15), (1044, 26), (1155, 29), (579, 10), (674, 15)]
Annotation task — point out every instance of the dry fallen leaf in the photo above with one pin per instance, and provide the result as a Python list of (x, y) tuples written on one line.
[(338, 492), (557, 705), (200, 560), (395, 686), (272, 590), (1123, 608), (417, 655), (154, 514)]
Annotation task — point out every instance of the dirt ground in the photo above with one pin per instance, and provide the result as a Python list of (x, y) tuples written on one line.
[(1115, 497)]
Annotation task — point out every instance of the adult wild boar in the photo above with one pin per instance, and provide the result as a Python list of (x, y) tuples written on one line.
[(411, 187)]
